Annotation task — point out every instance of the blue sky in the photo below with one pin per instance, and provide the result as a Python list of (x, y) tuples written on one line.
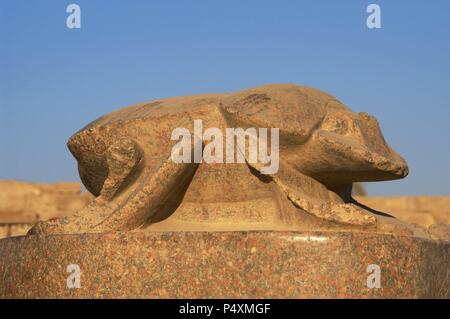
[(54, 80)]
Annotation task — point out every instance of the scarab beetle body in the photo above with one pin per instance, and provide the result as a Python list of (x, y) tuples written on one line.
[(124, 158)]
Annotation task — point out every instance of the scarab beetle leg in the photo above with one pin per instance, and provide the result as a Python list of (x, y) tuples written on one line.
[(123, 158)]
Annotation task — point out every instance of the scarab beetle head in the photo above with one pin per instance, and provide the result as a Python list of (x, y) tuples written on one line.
[(319, 135)]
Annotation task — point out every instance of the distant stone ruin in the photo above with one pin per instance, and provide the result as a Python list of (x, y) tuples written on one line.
[(23, 204)]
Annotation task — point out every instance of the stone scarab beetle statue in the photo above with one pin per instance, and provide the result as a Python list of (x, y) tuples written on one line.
[(125, 160)]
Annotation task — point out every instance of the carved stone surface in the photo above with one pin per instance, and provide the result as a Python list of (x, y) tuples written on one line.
[(224, 265), (124, 158), (158, 228)]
